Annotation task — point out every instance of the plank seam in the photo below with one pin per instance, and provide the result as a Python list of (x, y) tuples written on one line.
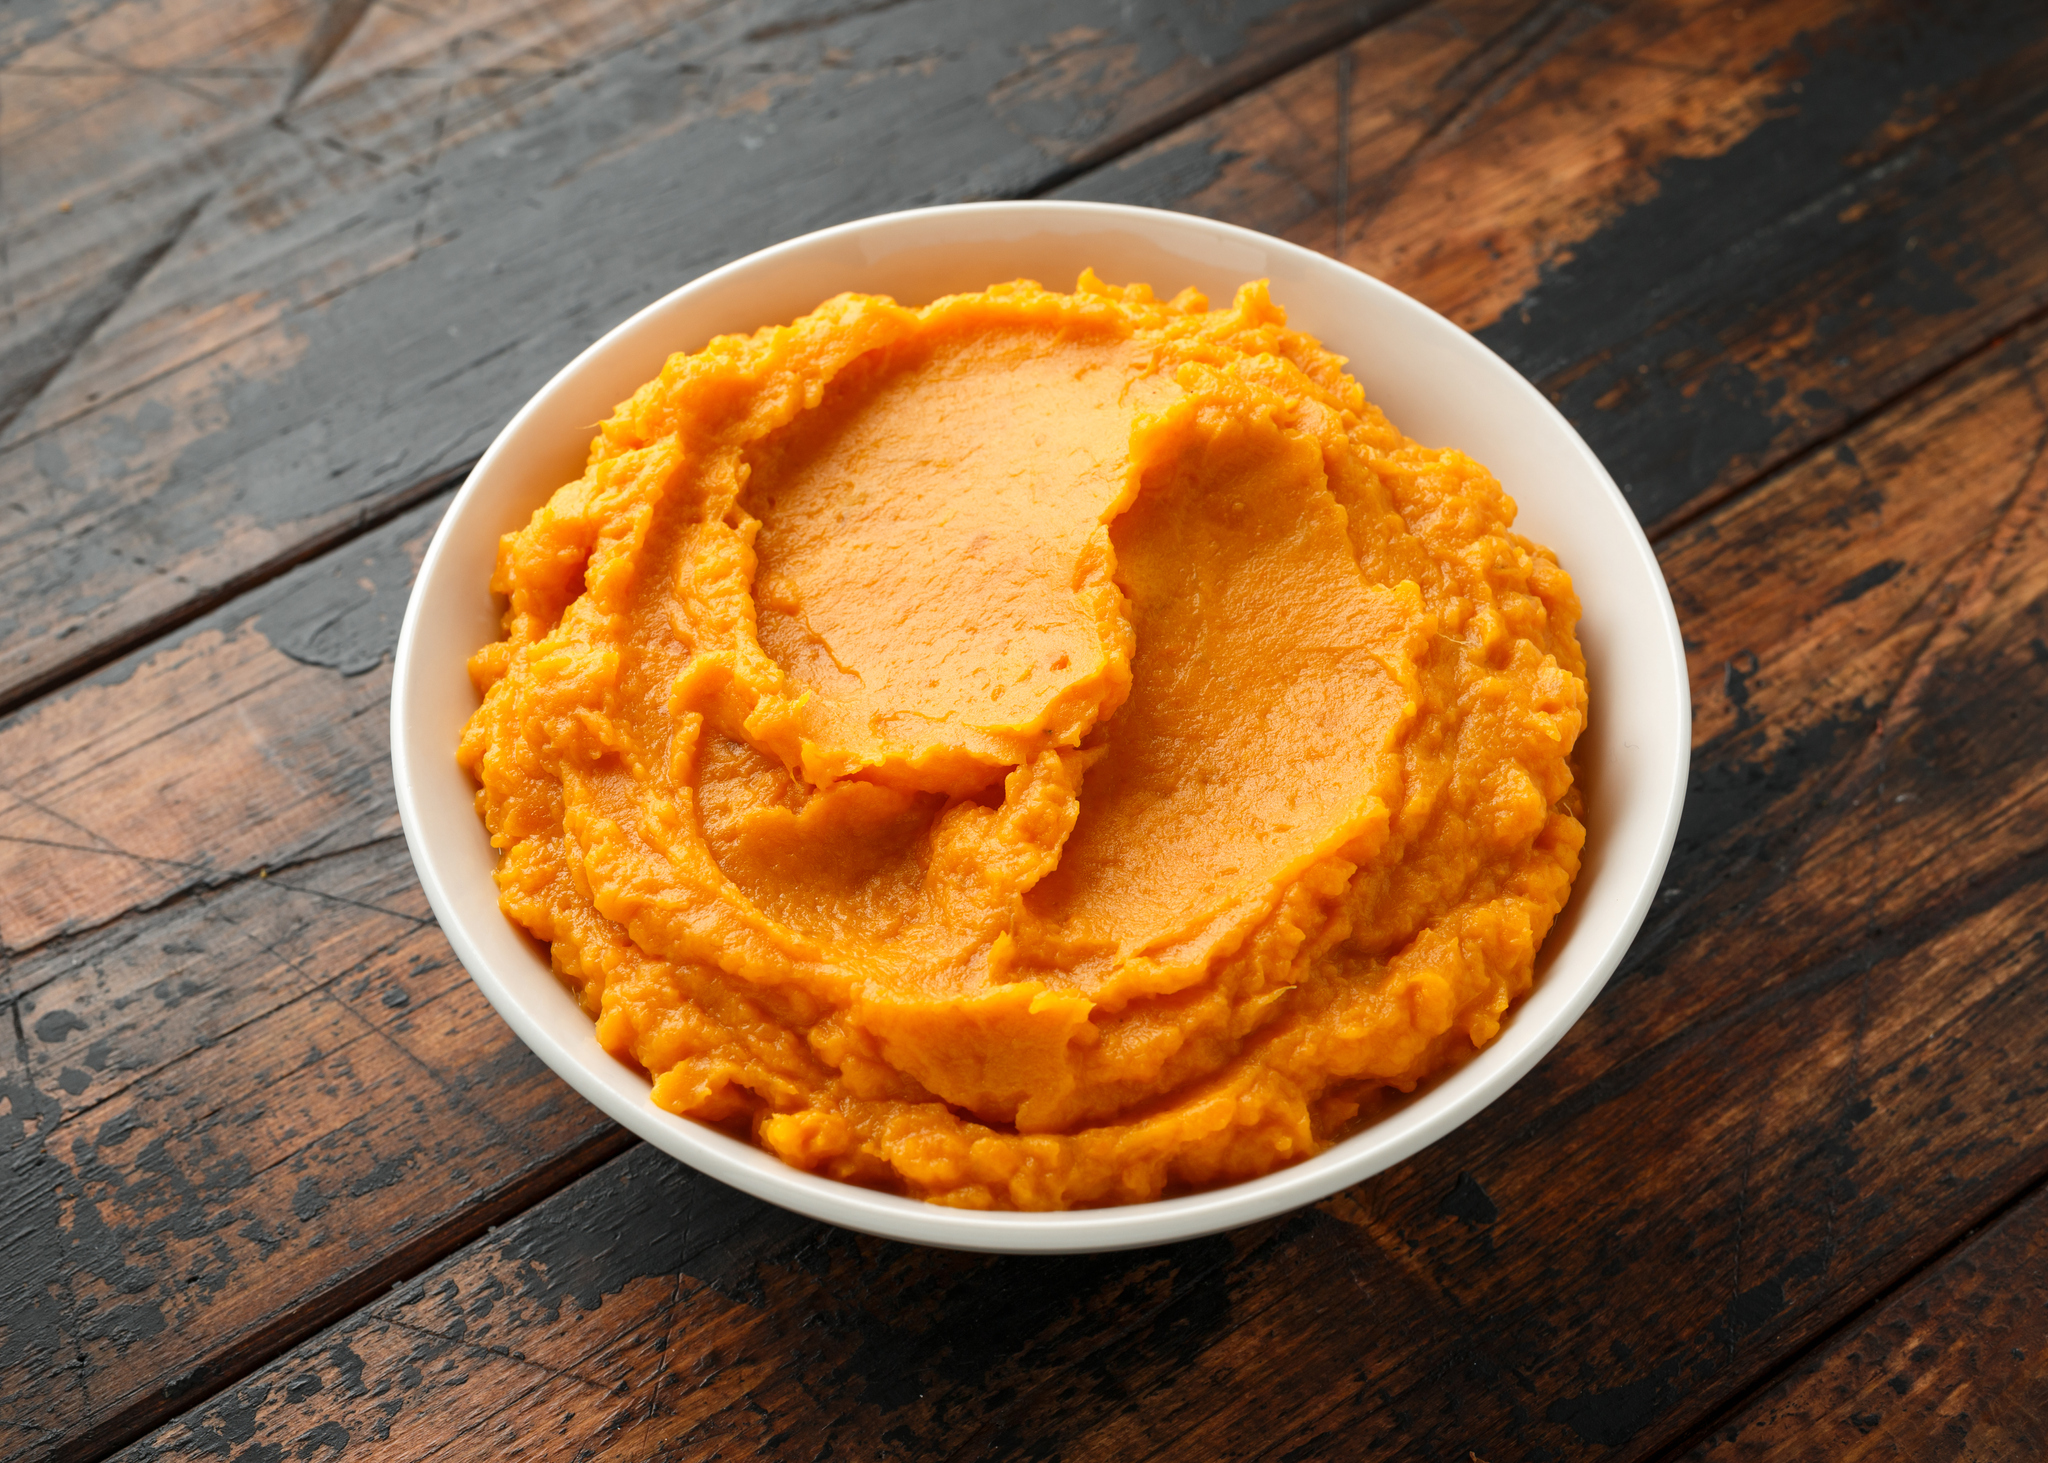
[(1976, 897), (311, 989), (2023, 874), (404, 1264), (1710, 503), (63, 673), (200, 889), (85, 664), (1531, 37), (1200, 103), (1763, 1380), (438, 1245), (421, 492), (976, 1444)]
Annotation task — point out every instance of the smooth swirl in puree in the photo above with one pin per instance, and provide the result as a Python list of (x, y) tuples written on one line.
[(1031, 751)]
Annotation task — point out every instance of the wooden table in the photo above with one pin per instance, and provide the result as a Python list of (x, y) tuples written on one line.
[(279, 1185)]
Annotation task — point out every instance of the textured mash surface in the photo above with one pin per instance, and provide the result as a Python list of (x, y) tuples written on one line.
[(1034, 750)]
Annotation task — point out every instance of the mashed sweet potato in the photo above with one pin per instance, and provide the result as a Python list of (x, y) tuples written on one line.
[(1035, 750)]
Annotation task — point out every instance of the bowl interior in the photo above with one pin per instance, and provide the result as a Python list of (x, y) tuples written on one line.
[(1435, 382)]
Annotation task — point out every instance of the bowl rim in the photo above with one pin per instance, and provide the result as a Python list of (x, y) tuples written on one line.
[(1378, 1146)]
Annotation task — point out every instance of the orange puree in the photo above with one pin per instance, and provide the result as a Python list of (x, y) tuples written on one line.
[(1031, 751)]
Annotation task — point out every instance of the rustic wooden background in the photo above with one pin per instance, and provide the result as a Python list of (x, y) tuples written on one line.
[(278, 1185)]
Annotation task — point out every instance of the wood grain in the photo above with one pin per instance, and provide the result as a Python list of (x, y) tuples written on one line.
[(249, 1089), (1824, 1059), (1711, 237), (257, 738), (259, 309), (206, 918), (1955, 1366), (247, 1083)]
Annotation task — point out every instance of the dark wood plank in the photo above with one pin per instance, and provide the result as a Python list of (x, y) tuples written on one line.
[(108, 114), (1711, 236), (272, 315), (1767, 763), (256, 739), (647, 1312), (1823, 1060), (269, 1089), (1817, 1064), (1953, 1367), (169, 915)]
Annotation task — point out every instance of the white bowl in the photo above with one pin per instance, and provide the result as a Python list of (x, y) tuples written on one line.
[(1435, 382)]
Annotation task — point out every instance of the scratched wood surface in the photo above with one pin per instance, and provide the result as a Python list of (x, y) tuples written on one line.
[(285, 267), (1823, 1064), (1955, 1365), (250, 1091), (1711, 233)]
